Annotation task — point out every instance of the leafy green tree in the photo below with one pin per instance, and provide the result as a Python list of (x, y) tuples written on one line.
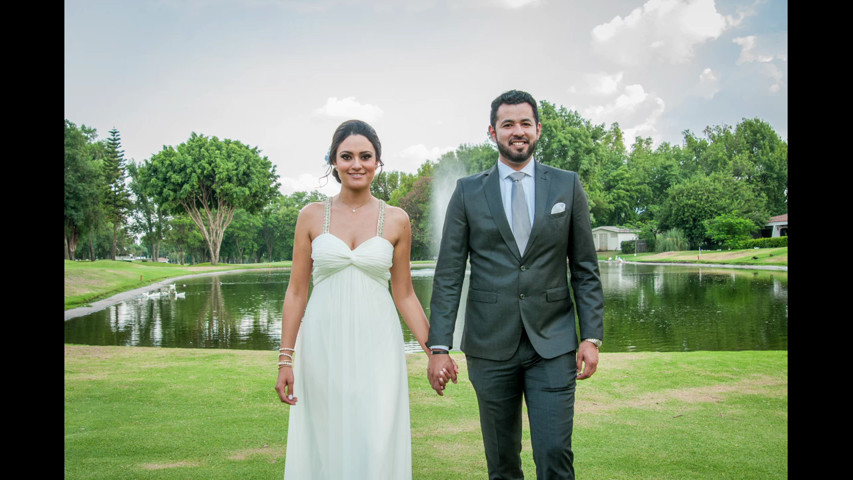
[(619, 201), (242, 235), (416, 203), (407, 181), (470, 159), (654, 172), (210, 179), (571, 142), (766, 165), (115, 195), (150, 219), (82, 205), (385, 183), (728, 228), (567, 140), (271, 229), (752, 152), (705, 197), (182, 236)]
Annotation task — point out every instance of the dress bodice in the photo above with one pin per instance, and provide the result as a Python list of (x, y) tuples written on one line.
[(331, 254)]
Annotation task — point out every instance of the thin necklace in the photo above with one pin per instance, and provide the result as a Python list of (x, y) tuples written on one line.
[(356, 208)]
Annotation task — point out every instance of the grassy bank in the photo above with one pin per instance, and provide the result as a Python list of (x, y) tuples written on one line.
[(87, 282), (142, 413), (750, 257)]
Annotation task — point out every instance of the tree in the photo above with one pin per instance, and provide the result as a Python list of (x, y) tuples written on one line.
[(243, 233), (752, 152), (182, 236), (115, 196), (384, 183), (566, 140), (728, 228), (283, 221), (149, 218), (210, 179), (82, 205), (767, 163), (655, 172), (571, 142), (416, 203), (705, 197)]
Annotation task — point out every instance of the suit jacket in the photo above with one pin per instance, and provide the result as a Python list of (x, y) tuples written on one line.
[(508, 291)]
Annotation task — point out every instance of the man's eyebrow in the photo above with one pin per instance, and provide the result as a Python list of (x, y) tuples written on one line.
[(512, 120)]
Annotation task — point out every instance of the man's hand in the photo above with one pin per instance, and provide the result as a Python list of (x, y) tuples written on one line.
[(587, 360), (441, 368)]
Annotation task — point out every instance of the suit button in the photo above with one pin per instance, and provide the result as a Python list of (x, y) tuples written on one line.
[(521, 296), (523, 268)]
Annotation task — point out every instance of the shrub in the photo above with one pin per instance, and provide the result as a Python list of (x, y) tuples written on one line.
[(769, 242), (672, 240)]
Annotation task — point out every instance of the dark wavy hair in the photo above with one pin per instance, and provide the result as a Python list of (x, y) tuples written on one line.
[(512, 97), (347, 129)]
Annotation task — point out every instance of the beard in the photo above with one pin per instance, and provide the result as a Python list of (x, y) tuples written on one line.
[(514, 156)]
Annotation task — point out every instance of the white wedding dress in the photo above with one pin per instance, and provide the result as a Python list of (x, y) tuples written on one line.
[(352, 417)]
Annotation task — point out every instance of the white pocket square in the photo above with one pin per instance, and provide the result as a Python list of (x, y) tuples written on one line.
[(558, 208)]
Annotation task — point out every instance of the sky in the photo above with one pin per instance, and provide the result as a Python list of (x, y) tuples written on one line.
[(281, 75)]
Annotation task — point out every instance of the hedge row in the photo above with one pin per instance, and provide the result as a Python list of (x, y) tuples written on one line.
[(769, 242)]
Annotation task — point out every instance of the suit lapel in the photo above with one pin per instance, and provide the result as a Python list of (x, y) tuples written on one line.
[(540, 205), (492, 189)]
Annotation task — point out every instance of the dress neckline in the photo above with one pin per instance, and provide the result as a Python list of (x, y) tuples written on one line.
[(327, 213)]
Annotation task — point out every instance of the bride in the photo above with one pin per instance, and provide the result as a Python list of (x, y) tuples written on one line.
[(342, 368)]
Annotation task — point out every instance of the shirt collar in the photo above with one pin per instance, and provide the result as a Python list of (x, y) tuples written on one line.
[(504, 170)]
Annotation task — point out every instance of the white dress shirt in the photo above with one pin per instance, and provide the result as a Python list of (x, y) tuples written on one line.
[(527, 182)]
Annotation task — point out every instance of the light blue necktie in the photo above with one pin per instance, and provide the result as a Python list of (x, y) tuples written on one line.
[(520, 214)]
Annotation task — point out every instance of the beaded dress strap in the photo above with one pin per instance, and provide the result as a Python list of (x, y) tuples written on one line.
[(326, 209), (381, 222)]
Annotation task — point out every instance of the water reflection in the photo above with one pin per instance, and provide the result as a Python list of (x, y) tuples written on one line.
[(647, 308)]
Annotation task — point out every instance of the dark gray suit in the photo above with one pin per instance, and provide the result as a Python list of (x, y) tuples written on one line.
[(520, 313)]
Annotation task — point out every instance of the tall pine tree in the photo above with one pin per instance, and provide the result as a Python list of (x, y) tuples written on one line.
[(115, 196)]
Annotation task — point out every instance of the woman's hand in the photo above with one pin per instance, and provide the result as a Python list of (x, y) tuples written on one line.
[(284, 385)]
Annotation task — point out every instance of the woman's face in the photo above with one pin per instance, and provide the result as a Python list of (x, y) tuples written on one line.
[(355, 162)]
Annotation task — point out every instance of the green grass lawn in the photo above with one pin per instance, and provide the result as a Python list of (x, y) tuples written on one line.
[(86, 281), (145, 413), (747, 257)]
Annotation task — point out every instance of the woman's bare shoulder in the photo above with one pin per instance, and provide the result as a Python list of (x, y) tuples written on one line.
[(310, 219), (312, 209), (396, 215)]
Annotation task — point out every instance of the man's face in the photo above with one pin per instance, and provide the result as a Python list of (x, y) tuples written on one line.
[(515, 133)]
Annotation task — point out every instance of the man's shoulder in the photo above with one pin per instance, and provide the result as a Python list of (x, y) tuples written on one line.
[(477, 177), (566, 178), (555, 171)]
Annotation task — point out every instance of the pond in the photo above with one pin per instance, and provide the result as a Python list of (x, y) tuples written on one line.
[(647, 308)]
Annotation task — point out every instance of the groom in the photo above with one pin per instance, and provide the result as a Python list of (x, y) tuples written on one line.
[(522, 233)]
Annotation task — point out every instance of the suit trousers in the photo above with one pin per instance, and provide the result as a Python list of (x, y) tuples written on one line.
[(547, 386)]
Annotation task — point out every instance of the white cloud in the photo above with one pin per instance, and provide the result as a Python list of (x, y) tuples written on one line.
[(508, 4), (306, 183), (709, 84), (769, 53), (412, 157), (349, 108), (660, 30), (518, 3), (601, 83), (751, 52), (636, 111)]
